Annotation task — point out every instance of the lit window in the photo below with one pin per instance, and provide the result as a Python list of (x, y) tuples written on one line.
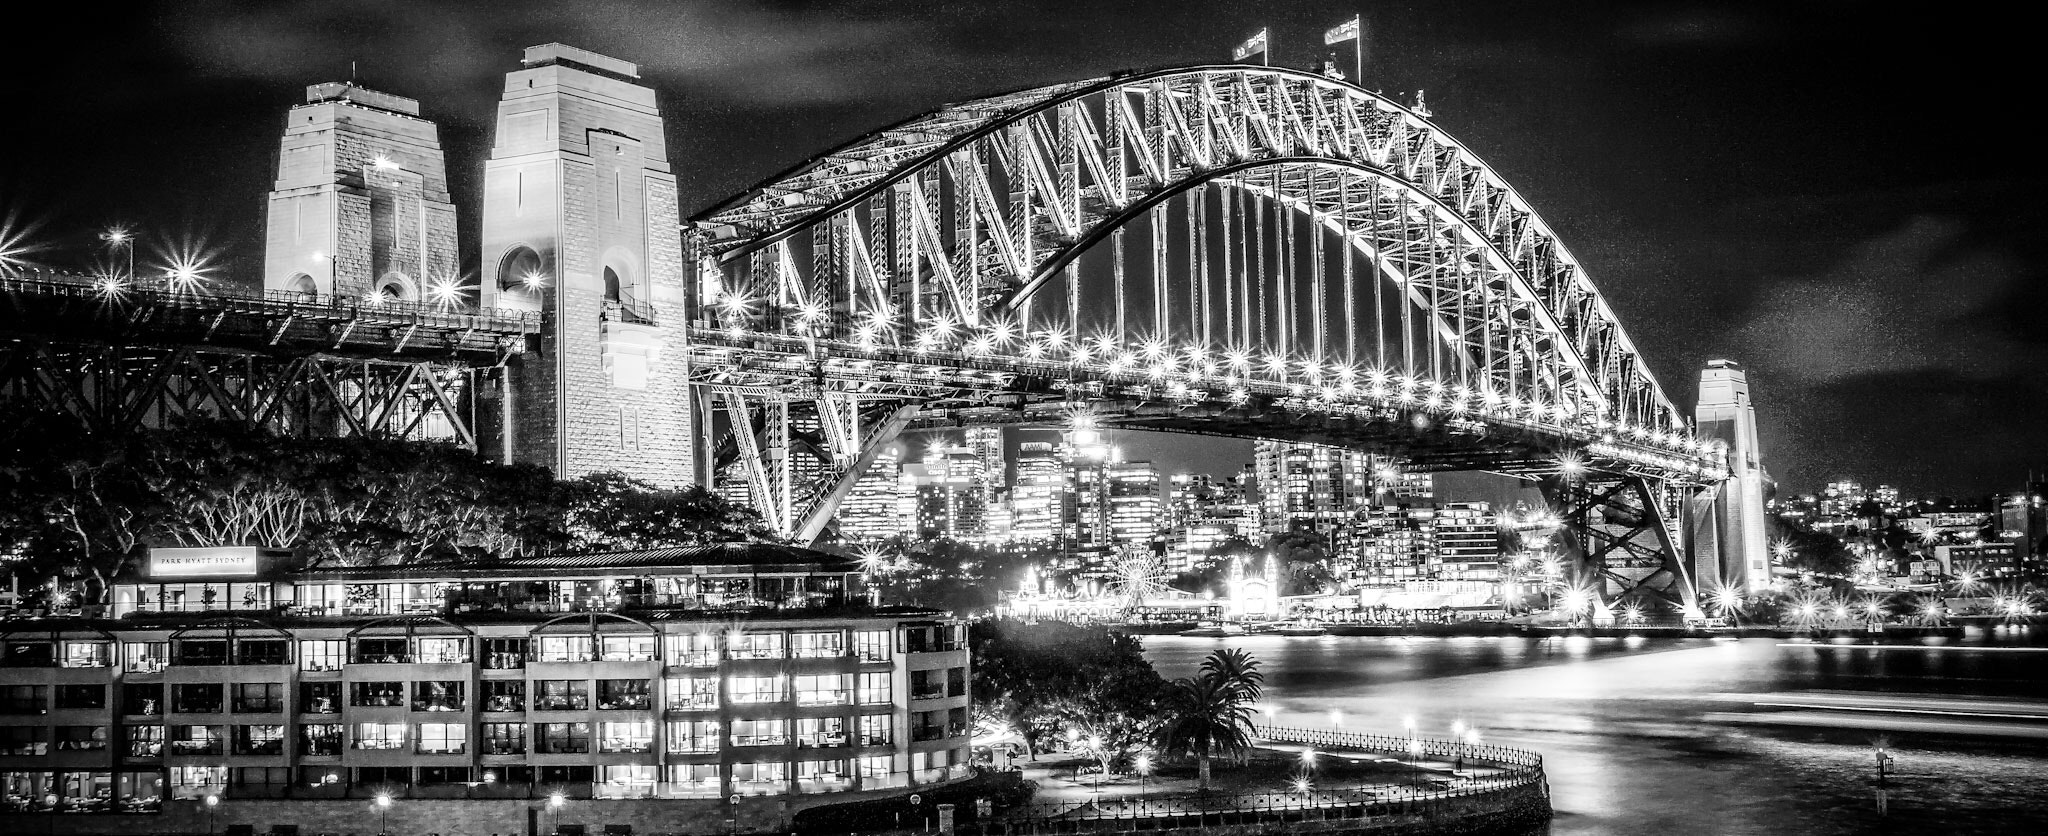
[(765, 778), (628, 648), (442, 651), (563, 649), (692, 693), (874, 688), (758, 689), (697, 780), (877, 730), (760, 732), (380, 736), (696, 650), (872, 645), (632, 736), (443, 738), (817, 645), (88, 654), (754, 646), (821, 731), (824, 689), (688, 737), (322, 654)]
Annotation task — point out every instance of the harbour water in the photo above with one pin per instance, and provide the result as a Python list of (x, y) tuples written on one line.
[(1682, 736)]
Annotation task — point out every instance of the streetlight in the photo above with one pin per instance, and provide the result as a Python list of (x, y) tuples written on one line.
[(1143, 763), (555, 802), (1101, 761), (212, 801), (1414, 759), (383, 804), (120, 237)]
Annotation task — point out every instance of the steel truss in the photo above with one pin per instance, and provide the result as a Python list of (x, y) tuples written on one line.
[(1623, 542), (1217, 249), (122, 388)]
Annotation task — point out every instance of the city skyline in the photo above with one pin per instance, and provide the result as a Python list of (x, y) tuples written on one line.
[(1879, 305)]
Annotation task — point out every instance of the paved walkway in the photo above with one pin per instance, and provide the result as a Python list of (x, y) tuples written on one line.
[(1058, 781)]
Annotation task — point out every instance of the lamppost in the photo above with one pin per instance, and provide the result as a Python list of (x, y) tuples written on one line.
[(212, 801), (1101, 761), (383, 805), (121, 238), (1143, 763), (1414, 760), (555, 802)]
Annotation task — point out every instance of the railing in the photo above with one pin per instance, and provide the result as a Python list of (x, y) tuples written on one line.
[(628, 308), (1385, 744), (274, 303), (1521, 773)]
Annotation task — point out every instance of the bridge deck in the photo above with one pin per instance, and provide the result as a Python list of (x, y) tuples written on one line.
[(69, 307)]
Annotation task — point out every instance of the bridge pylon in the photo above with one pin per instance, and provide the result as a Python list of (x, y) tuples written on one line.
[(581, 224)]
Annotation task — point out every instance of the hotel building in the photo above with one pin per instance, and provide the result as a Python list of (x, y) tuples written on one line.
[(725, 672)]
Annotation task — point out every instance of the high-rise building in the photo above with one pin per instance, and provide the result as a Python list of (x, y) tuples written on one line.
[(987, 444), (1327, 490), (871, 512), (1202, 513), (1467, 542), (1134, 503), (1038, 495), (951, 501)]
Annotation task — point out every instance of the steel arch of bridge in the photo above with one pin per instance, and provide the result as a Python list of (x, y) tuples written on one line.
[(1229, 249)]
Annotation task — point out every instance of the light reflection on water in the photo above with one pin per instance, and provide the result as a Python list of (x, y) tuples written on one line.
[(1622, 724)]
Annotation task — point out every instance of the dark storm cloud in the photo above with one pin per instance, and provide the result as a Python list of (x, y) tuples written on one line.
[(765, 54), (1915, 300)]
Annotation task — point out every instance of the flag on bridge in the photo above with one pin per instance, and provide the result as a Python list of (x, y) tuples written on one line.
[(1348, 30), (1352, 30), (1255, 44)]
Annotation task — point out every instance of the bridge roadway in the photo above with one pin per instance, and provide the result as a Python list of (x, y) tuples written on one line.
[(70, 307), (974, 383)]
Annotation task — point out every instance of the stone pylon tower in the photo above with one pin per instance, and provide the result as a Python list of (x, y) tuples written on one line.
[(581, 223), (1729, 542), (360, 206)]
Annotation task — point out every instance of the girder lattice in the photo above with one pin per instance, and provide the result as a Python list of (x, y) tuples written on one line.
[(1243, 250)]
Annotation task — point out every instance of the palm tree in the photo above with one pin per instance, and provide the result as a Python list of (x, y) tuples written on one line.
[(1210, 714), (1236, 670)]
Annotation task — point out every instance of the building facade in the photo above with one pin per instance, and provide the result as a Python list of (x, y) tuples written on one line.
[(702, 673)]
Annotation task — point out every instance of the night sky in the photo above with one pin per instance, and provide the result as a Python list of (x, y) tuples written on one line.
[(1840, 197)]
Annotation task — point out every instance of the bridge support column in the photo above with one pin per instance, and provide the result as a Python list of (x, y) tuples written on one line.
[(1620, 542)]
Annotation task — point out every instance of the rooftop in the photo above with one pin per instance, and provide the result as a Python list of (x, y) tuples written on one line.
[(710, 558)]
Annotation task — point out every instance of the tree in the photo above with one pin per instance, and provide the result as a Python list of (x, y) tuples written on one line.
[(1237, 670), (615, 512), (1044, 678), (1209, 715)]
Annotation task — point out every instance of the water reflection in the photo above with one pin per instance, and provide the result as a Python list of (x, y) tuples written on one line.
[(1650, 736)]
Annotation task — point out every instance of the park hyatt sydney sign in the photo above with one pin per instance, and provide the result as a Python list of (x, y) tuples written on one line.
[(210, 562)]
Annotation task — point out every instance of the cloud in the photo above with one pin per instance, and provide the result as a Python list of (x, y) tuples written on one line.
[(763, 54), (1919, 299)]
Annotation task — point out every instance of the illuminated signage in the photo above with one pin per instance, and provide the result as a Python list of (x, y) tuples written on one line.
[(213, 562)]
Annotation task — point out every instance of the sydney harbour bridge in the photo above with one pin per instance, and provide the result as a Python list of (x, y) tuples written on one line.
[(1229, 250)]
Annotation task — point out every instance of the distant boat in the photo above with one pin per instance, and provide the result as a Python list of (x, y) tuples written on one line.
[(1303, 627), (1214, 630)]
